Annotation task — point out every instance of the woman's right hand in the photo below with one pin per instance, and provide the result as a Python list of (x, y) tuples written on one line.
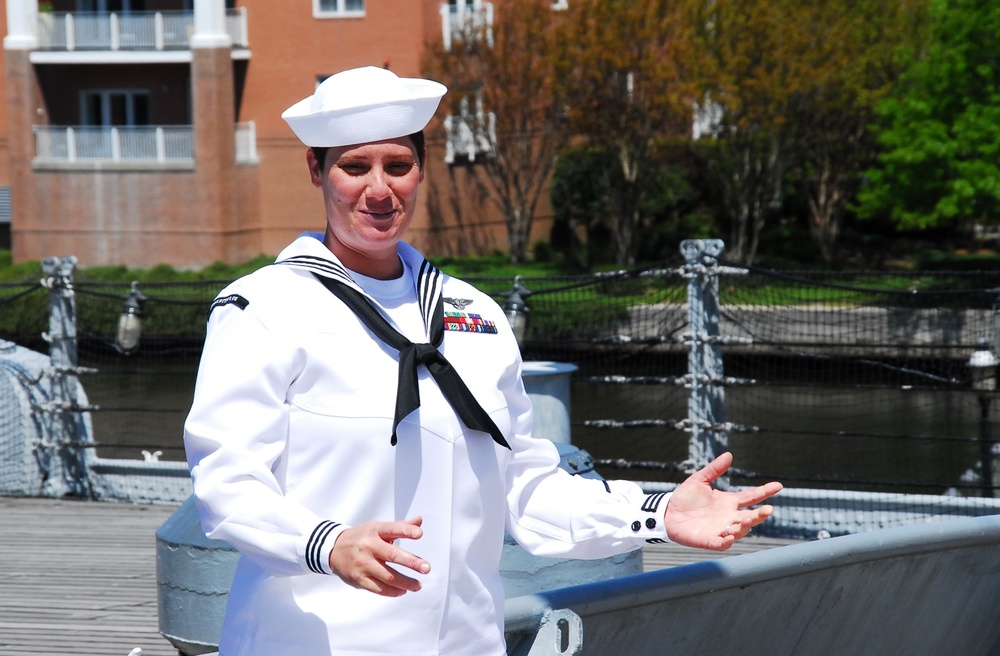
[(361, 557)]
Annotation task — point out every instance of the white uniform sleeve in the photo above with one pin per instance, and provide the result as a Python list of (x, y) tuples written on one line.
[(234, 437), (554, 513)]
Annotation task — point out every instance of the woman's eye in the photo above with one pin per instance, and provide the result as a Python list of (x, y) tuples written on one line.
[(354, 169), (399, 168)]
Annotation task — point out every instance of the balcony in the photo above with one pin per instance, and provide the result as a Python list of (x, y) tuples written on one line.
[(467, 139), (167, 147), (461, 21), (137, 31)]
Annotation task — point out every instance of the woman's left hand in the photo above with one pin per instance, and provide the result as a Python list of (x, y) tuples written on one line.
[(700, 516)]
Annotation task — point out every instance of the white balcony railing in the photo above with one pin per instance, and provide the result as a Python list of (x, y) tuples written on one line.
[(161, 30), (466, 139), (173, 144), (460, 20)]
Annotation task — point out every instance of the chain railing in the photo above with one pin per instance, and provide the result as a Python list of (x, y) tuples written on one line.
[(854, 389)]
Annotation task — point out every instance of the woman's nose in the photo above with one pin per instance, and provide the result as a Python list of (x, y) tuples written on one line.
[(378, 188), (378, 181)]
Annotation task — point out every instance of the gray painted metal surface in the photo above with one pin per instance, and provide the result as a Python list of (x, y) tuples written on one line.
[(548, 386), (158, 482), (806, 514), (706, 404), (65, 430), (920, 589), (193, 576), (21, 467), (38, 459)]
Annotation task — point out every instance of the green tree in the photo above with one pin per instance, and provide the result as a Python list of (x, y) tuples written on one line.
[(503, 104), (750, 68), (852, 61), (621, 75), (941, 131), (673, 207)]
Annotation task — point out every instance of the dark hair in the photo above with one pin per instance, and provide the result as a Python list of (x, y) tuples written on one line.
[(418, 139)]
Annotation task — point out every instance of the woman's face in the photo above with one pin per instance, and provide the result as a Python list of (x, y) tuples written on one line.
[(370, 193)]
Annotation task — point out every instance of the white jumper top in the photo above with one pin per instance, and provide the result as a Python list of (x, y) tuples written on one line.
[(288, 441)]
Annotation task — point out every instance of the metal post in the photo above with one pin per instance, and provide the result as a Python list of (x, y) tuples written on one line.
[(114, 28), (706, 404), (986, 443), (65, 434), (983, 371), (158, 38)]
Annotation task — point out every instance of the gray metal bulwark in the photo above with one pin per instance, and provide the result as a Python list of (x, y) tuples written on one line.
[(918, 589)]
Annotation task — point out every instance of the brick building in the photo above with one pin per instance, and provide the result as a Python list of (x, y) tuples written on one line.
[(140, 132)]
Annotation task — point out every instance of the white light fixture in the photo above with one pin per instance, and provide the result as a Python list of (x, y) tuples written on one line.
[(515, 306), (983, 366), (130, 321), (996, 327)]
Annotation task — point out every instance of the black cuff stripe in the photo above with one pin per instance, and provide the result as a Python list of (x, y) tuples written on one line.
[(314, 547), (653, 502)]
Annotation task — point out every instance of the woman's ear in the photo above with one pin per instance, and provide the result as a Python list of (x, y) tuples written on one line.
[(315, 168)]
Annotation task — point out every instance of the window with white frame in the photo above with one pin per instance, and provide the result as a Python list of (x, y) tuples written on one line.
[(106, 6), (471, 131), (338, 8), (462, 18)]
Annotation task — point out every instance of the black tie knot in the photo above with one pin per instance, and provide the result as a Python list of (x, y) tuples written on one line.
[(426, 354), (412, 356)]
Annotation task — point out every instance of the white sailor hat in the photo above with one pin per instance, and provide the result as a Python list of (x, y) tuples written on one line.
[(362, 105)]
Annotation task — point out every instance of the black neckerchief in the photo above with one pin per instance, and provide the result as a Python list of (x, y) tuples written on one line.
[(413, 355)]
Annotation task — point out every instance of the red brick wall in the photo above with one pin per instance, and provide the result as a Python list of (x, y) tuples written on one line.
[(452, 217), (222, 211)]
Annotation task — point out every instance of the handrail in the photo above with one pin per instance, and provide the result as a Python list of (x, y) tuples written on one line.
[(160, 144), (160, 30), (114, 144)]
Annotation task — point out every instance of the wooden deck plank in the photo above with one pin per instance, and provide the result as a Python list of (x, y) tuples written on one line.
[(79, 577)]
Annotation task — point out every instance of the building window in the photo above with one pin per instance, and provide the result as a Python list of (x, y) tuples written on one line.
[(5, 205), (559, 5), (105, 6), (471, 131), (338, 8), (114, 108), (466, 19)]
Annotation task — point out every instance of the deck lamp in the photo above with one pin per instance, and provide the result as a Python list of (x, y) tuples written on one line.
[(983, 366), (515, 306), (130, 321), (996, 325)]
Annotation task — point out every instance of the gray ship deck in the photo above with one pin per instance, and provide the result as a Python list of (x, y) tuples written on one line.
[(79, 577)]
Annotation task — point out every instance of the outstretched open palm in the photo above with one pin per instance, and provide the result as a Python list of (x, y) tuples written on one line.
[(699, 515)]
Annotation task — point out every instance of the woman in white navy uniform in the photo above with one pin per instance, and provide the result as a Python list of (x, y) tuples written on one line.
[(361, 434)]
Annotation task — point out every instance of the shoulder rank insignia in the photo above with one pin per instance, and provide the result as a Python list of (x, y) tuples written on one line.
[(232, 299), (458, 303), (468, 323)]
